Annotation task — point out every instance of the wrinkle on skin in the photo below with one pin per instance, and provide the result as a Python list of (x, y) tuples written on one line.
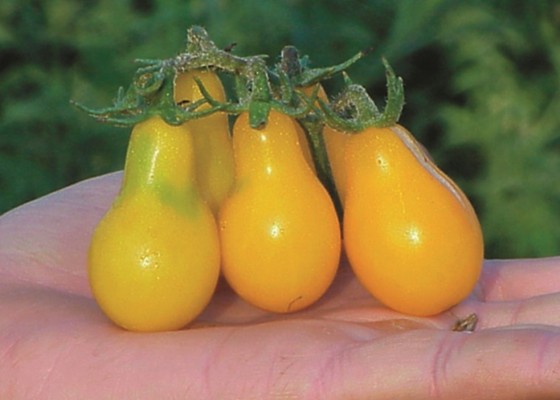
[(55, 342), (512, 280), (438, 370)]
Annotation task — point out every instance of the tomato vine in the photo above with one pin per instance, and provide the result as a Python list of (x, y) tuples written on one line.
[(258, 89)]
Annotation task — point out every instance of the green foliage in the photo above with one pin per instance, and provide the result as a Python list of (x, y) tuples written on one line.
[(481, 81), (507, 71)]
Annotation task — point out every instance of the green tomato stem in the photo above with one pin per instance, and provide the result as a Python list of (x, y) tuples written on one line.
[(314, 133)]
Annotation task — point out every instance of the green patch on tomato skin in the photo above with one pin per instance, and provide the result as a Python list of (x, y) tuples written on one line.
[(174, 187)]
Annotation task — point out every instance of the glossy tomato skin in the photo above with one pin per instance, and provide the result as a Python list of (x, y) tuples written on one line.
[(153, 261), (410, 234), (214, 165), (279, 231)]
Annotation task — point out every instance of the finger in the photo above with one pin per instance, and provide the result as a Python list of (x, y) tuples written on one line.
[(45, 241), (539, 310), (519, 279), (497, 364)]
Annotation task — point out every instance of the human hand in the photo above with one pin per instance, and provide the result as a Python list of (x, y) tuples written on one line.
[(56, 343)]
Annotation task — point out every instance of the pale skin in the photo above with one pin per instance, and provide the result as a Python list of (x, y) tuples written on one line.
[(56, 343)]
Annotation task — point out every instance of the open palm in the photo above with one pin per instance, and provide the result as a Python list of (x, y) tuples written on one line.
[(55, 343)]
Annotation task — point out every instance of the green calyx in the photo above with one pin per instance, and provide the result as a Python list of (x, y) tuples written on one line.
[(353, 110), (258, 89)]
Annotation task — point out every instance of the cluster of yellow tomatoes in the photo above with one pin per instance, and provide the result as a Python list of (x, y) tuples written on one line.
[(198, 201)]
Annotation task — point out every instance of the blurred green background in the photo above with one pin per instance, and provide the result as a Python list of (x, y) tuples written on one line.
[(482, 80)]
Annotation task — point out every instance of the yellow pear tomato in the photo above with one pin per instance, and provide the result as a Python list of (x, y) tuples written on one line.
[(154, 257), (410, 233), (279, 232)]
